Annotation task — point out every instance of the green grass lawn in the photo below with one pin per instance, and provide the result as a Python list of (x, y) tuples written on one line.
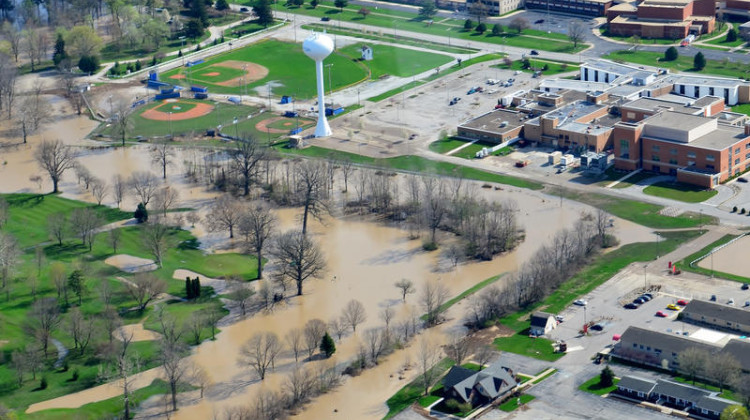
[(647, 41), (727, 393), (684, 264), (521, 343), (553, 67), (452, 29), (243, 29), (288, 67), (545, 376), (681, 192), (412, 392), (682, 63), (722, 40), (470, 152), (512, 403), (742, 109), (206, 74), (447, 144), (223, 114), (593, 386), (110, 52), (611, 174), (412, 163), (395, 61)]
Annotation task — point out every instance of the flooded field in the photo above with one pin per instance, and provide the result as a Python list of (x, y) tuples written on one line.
[(730, 259)]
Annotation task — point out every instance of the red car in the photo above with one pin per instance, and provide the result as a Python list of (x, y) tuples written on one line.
[(682, 302), (661, 314)]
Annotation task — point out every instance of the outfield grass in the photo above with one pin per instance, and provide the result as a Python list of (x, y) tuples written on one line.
[(225, 74), (412, 392), (593, 386), (553, 67), (684, 264), (681, 192), (394, 21), (288, 66), (412, 163), (512, 403), (394, 61), (682, 63), (223, 114)]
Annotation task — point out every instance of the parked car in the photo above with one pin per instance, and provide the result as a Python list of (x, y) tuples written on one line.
[(597, 327), (538, 21), (730, 301), (713, 298), (244, 9), (682, 302), (511, 80), (745, 286), (741, 179), (639, 301), (325, 18), (580, 302), (661, 314), (646, 297), (649, 295), (559, 318), (534, 52), (632, 305), (747, 303), (673, 307)]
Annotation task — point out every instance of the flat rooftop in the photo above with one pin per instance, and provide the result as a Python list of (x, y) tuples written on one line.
[(684, 79), (610, 66), (492, 121), (658, 104), (652, 22), (719, 138), (574, 111), (577, 85)]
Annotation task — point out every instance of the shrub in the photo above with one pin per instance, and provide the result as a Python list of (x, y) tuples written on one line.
[(43, 383), (75, 376), (699, 61), (732, 35), (545, 68), (734, 209), (742, 211), (179, 53), (497, 29), (88, 63), (606, 378), (138, 65), (430, 246), (468, 24), (481, 28), (671, 54), (141, 214)]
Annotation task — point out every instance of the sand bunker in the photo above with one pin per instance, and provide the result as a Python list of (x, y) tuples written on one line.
[(131, 264), (220, 286), (199, 110), (252, 71), (139, 333)]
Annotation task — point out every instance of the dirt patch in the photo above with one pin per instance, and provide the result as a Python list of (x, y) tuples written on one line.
[(263, 127), (199, 110), (253, 72), (138, 332), (211, 74), (131, 264), (177, 76)]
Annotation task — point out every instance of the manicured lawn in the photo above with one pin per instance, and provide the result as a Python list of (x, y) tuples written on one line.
[(553, 67), (412, 392), (685, 263), (207, 75), (468, 292), (722, 40), (682, 63), (222, 114), (110, 52), (593, 386), (648, 41), (395, 61), (681, 192), (243, 29), (288, 66), (396, 91), (512, 403), (470, 152), (447, 144), (611, 174), (545, 376), (742, 109), (412, 163), (521, 343), (394, 21)]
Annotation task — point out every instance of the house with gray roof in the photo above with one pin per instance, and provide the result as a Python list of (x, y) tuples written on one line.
[(654, 348), (542, 323), (717, 316), (466, 385), (674, 394)]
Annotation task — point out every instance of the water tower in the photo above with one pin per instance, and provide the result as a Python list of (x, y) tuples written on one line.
[(318, 47)]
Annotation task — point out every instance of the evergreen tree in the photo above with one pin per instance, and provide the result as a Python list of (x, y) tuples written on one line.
[(497, 29), (221, 5), (141, 214), (198, 11), (196, 288), (88, 63), (732, 35), (481, 28), (340, 4), (59, 54), (699, 61), (327, 346), (262, 9), (427, 9), (75, 283), (606, 378), (468, 24), (188, 288), (314, 3), (671, 54), (194, 29)]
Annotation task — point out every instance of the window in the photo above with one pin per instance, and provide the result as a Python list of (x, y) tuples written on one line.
[(673, 161), (747, 146), (682, 89), (747, 155), (635, 345), (691, 155), (624, 149), (648, 348), (697, 91), (737, 151), (656, 158), (691, 163), (711, 91), (672, 151), (655, 148), (710, 158), (737, 161), (710, 167)]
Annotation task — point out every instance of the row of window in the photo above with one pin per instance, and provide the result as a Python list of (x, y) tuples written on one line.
[(711, 91)]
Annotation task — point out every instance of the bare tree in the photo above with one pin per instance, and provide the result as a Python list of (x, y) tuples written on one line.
[(434, 204), (144, 288), (225, 214), (406, 287), (164, 200), (298, 386), (427, 358), (60, 279), (99, 189), (246, 155), (518, 24), (4, 211), (346, 170), (375, 343), (354, 314), (113, 238), (432, 299), (80, 328), (693, 362), (260, 352), (484, 354), (8, 75), (33, 111), (55, 158), (256, 226), (299, 258), (295, 341), (314, 331), (386, 315), (43, 320), (338, 327), (175, 369), (195, 325), (123, 117), (458, 349), (84, 175), (722, 369), (162, 154), (10, 253), (240, 295), (576, 32), (84, 222), (111, 321), (312, 193), (144, 185), (14, 37), (478, 9), (741, 388), (118, 189), (106, 293), (154, 236)]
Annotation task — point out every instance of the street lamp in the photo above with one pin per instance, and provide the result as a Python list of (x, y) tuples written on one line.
[(657, 245), (330, 86), (170, 125), (111, 110), (182, 47)]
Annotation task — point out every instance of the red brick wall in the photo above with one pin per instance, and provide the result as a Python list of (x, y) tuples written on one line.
[(631, 115), (706, 7), (671, 13), (715, 107), (695, 179)]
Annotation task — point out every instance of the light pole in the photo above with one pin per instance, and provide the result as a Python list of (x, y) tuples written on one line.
[(111, 109), (170, 126), (645, 282), (657, 245), (712, 262), (182, 47), (330, 86)]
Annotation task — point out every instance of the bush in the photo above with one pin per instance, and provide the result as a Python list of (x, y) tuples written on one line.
[(481, 28), (138, 65), (497, 29), (606, 378), (141, 214), (43, 383), (545, 68), (732, 35), (742, 211), (468, 24), (75, 376), (88, 63), (430, 246), (699, 61), (734, 209), (671, 54)]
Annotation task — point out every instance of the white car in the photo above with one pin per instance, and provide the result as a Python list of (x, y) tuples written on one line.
[(580, 302)]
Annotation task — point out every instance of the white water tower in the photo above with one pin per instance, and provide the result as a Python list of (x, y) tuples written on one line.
[(318, 47)]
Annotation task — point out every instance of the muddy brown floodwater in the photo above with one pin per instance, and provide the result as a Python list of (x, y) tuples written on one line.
[(730, 259)]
